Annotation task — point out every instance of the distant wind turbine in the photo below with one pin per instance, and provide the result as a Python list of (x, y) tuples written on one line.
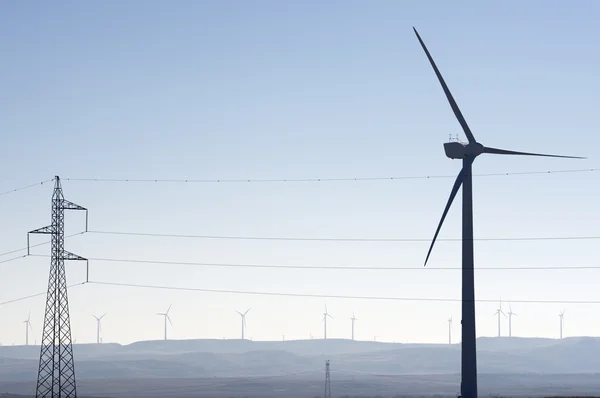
[(325, 315), (498, 312), (510, 315), (353, 319), (166, 315), (450, 330), (467, 152), (243, 320), (27, 327), (98, 327), (561, 316)]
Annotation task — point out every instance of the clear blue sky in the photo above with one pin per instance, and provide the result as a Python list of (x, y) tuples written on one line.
[(266, 89)]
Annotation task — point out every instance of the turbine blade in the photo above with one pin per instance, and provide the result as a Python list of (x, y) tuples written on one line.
[(449, 96), (169, 309), (457, 184), (497, 151), (171, 323), (246, 311)]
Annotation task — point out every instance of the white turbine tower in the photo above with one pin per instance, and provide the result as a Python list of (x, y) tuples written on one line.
[(166, 315), (450, 330), (353, 319), (243, 320), (561, 316), (27, 327), (98, 327), (510, 315), (325, 315), (498, 312)]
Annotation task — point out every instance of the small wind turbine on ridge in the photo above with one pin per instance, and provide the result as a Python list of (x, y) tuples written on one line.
[(498, 312), (510, 315), (353, 319), (27, 327), (325, 315), (243, 320), (450, 330), (467, 152), (98, 327), (561, 316), (166, 315)]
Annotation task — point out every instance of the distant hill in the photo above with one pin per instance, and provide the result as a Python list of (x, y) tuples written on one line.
[(244, 358)]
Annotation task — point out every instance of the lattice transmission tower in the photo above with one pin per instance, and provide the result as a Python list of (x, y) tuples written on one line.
[(56, 374), (327, 381)]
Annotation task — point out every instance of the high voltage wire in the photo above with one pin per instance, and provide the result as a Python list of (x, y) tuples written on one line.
[(325, 239), (26, 187), (331, 296), (258, 180), (334, 267), (36, 295)]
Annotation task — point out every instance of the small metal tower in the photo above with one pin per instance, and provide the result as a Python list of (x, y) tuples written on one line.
[(56, 374), (327, 381)]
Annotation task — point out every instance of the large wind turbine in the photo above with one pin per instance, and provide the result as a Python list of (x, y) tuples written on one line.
[(498, 312), (98, 327), (243, 320), (467, 152), (325, 315), (510, 315), (353, 319), (27, 327), (166, 315), (561, 316)]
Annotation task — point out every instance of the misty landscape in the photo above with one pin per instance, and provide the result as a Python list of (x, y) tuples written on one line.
[(242, 368), (270, 159)]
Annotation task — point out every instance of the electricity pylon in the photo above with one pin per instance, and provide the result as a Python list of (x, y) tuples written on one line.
[(327, 381), (56, 374)]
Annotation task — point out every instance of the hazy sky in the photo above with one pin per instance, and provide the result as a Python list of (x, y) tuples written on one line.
[(267, 89)]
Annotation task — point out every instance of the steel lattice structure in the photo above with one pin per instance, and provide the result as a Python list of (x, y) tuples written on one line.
[(56, 374), (327, 381)]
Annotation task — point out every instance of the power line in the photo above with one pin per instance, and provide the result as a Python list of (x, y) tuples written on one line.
[(327, 179), (26, 187), (333, 296), (336, 267), (36, 295), (328, 239)]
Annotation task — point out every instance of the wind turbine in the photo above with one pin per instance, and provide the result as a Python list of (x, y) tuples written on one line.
[(467, 152), (27, 327), (166, 315), (353, 319), (561, 316), (510, 315), (325, 315), (450, 330), (98, 327), (243, 320), (498, 312)]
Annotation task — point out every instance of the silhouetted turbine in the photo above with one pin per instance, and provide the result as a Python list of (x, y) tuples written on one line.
[(467, 152)]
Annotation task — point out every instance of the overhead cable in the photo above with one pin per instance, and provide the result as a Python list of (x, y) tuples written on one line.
[(25, 187), (330, 239), (331, 296), (336, 267), (326, 179)]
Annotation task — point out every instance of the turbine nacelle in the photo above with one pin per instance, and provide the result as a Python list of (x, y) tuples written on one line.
[(459, 150)]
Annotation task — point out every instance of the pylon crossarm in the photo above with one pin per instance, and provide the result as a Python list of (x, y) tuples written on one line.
[(66, 205), (43, 230), (72, 257)]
